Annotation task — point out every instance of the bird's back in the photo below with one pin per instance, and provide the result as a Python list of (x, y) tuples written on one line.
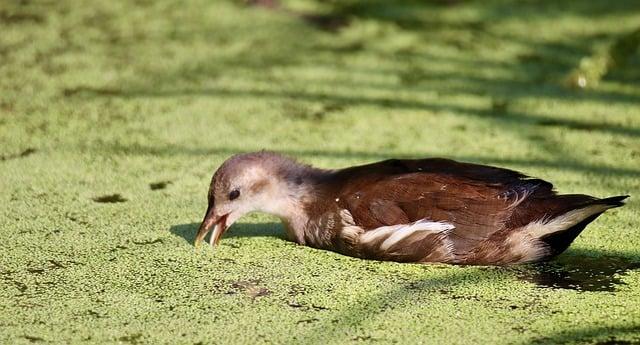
[(493, 215)]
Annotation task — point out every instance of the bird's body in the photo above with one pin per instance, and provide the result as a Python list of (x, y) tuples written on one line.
[(427, 210)]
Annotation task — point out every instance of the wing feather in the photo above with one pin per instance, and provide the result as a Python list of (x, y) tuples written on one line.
[(477, 200)]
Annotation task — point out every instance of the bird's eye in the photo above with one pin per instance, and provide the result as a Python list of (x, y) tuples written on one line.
[(234, 194)]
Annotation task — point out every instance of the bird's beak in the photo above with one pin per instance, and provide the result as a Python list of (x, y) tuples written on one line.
[(219, 223)]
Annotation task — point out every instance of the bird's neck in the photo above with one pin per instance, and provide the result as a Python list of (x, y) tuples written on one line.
[(296, 195)]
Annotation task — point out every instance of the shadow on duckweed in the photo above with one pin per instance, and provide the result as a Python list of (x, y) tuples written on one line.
[(188, 231), (506, 162), (580, 270), (596, 335)]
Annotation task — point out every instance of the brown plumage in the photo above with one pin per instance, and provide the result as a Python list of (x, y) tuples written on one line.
[(425, 210)]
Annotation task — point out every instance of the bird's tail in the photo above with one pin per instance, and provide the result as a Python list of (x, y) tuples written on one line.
[(614, 201), (558, 232)]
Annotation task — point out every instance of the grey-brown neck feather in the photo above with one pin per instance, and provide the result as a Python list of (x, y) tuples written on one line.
[(301, 186), (298, 175)]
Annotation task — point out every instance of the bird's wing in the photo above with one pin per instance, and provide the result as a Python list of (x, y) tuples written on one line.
[(469, 202)]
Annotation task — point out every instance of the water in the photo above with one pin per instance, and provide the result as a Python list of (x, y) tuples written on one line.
[(112, 198), (159, 185)]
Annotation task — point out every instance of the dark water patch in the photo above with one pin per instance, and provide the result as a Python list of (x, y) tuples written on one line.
[(312, 307), (519, 329), (465, 298), (22, 287), (327, 22), (530, 58), (332, 107), (308, 320), (32, 338), (95, 314), (345, 48), (605, 335), (131, 339), (581, 273), (35, 270), (536, 137), (159, 185), (86, 90), (269, 4), (616, 341), (7, 277), (111, 198), (499, 105), (364, 338), (25, 153), (53, 232), (5, 105), (145, 243), (6, 273), (55, 264), (118, 247), (16, 18), (570, 125)]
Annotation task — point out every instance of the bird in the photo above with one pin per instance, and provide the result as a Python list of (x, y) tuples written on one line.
[(432, 210)]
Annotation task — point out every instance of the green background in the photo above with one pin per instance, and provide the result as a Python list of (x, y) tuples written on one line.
[(105, 99)]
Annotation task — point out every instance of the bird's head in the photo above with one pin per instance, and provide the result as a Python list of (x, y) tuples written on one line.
[(260, 181)]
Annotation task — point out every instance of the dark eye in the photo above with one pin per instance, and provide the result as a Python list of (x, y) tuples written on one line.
[(234, 194)]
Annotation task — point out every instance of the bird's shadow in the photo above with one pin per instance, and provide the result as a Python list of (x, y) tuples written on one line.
[(577, 269), (272, 229)]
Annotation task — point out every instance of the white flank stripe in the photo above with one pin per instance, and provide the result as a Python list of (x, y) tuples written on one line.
[(396, 233)]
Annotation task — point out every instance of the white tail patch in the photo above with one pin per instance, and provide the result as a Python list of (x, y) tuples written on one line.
[(396, 233), (542, 227), (529, 249)]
